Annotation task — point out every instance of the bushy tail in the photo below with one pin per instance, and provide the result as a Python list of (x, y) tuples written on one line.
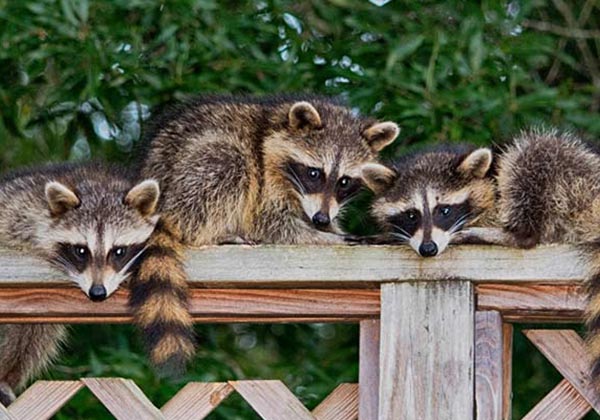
[(159, 302), (591, 252), (25, 351)]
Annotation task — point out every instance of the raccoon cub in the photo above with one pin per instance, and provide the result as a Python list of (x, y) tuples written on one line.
[(90, 222), (433, 195), (276, 169)]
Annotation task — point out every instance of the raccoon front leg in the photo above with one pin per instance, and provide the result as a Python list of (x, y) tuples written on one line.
[(484, 236), (25, 351)]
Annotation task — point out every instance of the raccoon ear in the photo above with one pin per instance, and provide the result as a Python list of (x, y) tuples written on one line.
[(377, 177), (381, 134), (144, 197), (476, 163), (60, 198), (304, 115)]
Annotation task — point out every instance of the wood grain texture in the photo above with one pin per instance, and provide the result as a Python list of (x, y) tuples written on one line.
[(341, 404), (368, 369), (517, 302), (43, 399), (563, 402), (123, 399), (533, 302), (356, 266), (196, 400), (507, 362), (272, 400), (489, 369), (5, 414), (206, 305), (427, 346), (565, 349)]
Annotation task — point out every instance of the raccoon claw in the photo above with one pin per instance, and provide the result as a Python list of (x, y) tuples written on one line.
[(7, 396), (238, 240)]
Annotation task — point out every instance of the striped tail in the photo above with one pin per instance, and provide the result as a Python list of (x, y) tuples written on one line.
[(159, 302), (25, 351)]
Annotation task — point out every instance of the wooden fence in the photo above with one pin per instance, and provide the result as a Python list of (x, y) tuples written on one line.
[(435, 334)]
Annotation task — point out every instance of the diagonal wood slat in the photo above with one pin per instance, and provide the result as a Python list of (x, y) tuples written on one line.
[(272, 400), (196, 400), (123, 398), (563, 402), (341, 404), (43, 399), (565, 349), (5, 414)]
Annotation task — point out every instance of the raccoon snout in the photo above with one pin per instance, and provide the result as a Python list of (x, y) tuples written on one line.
[(428, 249), (97, 293), (321, 220)]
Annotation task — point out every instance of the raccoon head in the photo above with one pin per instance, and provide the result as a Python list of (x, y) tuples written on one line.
[(433, 196), (99, 231), (321, 154)]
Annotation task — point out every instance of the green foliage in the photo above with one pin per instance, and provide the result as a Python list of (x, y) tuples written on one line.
[(79, 76)]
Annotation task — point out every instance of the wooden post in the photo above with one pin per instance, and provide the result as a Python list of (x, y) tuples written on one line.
[(493, 354), (368, 370), (427, 351)]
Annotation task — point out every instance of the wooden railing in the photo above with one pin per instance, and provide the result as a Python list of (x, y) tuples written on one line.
[(435, 334)]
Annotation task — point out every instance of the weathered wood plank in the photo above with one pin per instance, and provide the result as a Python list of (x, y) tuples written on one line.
[(533, 302), (517, 302), (507, 353), (43, 399), (5, 414), (427, 346), (565, 349), (563, 402), (341, 404), (206, 305), (123, 399), (489, 365), (368, 369), (272, 400), (356, 266), (196, 400)]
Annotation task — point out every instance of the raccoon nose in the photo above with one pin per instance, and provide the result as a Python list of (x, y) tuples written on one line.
[(428, 249), (97, 293), (320, 219)]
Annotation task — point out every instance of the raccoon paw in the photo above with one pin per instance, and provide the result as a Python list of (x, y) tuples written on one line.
[(7, 396), (525, 239)]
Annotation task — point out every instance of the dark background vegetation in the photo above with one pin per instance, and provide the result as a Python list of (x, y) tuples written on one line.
[(78, 77)]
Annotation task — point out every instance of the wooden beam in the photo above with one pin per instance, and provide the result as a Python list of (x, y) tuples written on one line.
[(507, 363), (43, 399), (563, 402), (517, 302), (565, 349), (533, 302), (206, 305), (427, 346), (489, 366), (272, 400), (243, 266), (196, 400), (368, 369), (341, 404)]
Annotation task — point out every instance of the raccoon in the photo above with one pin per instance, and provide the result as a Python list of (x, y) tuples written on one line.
[(90, 222), (549, 192), (276, 169), (434, 194)]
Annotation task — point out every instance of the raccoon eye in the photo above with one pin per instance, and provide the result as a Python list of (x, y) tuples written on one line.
[(81, 252), (314, 173), (344, 182), (446, 210), (119, 252), (411, 215)]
